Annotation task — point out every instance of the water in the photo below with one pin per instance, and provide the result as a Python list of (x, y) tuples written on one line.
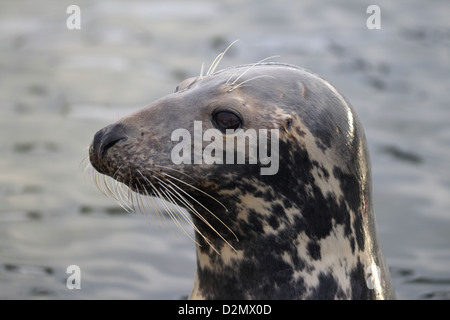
[(59, 86)]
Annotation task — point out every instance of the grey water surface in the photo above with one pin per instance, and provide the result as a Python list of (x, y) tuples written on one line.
[(59, 86)]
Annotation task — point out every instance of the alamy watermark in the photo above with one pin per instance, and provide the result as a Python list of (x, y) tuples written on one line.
[(73, 22), (252, 147), (374, 20), (74, 280)]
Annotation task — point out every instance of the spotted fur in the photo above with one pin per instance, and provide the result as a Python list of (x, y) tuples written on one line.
[(307, 232)]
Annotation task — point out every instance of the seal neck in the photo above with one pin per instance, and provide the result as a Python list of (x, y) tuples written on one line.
[(284, 260)]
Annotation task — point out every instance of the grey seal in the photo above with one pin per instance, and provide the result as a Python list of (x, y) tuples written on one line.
[(304, 231)]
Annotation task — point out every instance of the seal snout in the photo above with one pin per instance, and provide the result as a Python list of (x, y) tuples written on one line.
[(107, 137)]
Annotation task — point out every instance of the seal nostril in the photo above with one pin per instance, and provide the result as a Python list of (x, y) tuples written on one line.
[(106, 138), (107, 142)]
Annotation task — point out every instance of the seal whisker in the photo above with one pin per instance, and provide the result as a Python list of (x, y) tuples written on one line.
[(98, 185), (176, 216), (248, 80), (120, 195), (168, 197), (248, 69), (210, 212), (84, 161), (157, 194), (124, 201), (142, 189), (88, 169), (179, 197), (130, 196), (151, 202), (190, 207), (170, 213), (117, 189), (173, 199), (104, 187), (217, 60), (86, 164), (172, 169), (95, 180), (201, 69), (139, 201), (109, 190), (195, 188), (140, 195)]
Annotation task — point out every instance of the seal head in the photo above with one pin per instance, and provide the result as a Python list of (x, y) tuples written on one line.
[(302, 229)]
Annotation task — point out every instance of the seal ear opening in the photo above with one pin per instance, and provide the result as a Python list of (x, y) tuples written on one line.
[(287, 125)]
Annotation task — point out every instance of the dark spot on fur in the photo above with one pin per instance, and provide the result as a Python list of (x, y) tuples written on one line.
[(327, 288), (277, 210), (300, 132), (287, 203), (352, 196), (273, 222), (314, 250)]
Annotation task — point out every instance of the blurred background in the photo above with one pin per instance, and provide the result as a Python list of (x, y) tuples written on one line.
[(59, 86)]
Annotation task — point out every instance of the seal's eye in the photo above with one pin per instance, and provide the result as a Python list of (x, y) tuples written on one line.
[(224, 120)]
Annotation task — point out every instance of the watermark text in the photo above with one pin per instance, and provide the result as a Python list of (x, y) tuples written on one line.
[(252, 147), (74, 280), (73, 22), (374, 20)]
